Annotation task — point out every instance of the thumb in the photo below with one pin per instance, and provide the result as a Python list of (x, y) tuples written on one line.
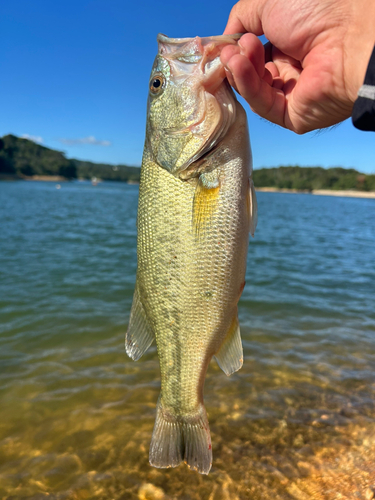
[(244, 17)]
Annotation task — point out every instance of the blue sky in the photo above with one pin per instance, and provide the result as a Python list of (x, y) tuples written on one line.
[(74, 75)]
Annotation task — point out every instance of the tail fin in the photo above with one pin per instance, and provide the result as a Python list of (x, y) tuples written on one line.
[(177, 439)]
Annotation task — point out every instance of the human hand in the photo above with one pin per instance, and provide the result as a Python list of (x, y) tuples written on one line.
[(309, 74)]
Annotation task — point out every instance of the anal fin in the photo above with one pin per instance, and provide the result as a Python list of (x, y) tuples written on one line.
[(139, 335), (230, 355)]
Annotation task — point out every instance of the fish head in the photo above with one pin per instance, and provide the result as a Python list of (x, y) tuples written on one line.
[(190, 104)]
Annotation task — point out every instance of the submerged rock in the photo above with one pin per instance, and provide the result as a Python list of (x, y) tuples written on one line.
[(149, 491)]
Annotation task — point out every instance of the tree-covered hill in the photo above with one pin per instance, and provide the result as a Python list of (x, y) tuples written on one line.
[(24, 158), (310, 178)]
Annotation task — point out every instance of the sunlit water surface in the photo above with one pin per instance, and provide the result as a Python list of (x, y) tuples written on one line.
[(76, 414)]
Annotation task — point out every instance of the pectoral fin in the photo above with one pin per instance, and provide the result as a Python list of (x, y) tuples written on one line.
[(252, 208), (205, 201), (230, 356), (139, 336)]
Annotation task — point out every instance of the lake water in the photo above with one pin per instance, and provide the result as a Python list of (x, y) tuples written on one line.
[(76, 414)]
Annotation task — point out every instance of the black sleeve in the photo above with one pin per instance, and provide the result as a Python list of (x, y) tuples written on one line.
[(363, 115)]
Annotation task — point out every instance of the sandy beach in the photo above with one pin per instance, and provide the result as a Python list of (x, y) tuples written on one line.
[(46, 178), (322, 192)]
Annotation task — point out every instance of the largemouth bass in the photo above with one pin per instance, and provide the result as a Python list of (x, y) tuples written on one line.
[(196, 207)]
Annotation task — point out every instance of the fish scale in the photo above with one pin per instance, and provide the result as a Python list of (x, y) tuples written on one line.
[(194, 217)]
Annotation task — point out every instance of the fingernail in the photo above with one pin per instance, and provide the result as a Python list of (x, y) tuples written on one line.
[(240, 46), (224, 60)]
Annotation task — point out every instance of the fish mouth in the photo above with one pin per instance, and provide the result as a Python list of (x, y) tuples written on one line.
[(204, 40), (192, 50)]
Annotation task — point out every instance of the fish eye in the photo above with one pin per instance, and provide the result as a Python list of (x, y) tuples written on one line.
[(156, 84)]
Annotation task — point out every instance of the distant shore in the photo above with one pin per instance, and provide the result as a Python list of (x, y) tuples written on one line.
[(46, 178), (350, 193)]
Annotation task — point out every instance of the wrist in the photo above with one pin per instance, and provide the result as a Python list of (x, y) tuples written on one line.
[(359, 46)]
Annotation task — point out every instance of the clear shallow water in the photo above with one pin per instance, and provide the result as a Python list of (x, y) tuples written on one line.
[(76, 415)]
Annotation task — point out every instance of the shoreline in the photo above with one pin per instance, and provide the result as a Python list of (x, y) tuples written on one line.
[(349, 193), (46, 178)]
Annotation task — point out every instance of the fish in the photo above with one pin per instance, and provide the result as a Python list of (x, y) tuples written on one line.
[(196, 207)]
